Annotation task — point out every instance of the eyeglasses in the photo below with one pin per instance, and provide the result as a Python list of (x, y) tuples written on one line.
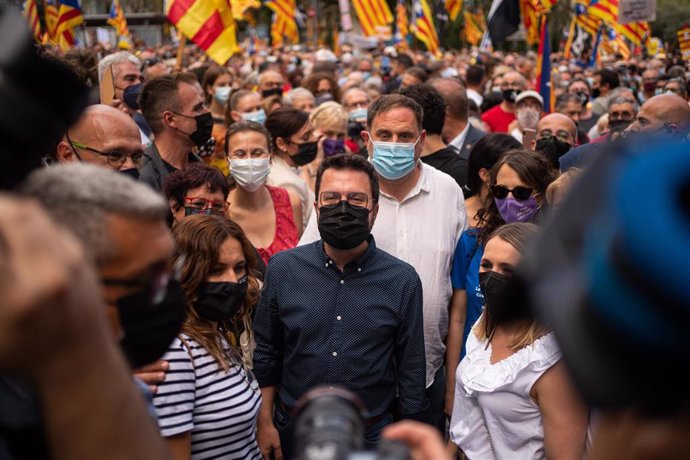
[(156, 286), (149, 62), (332, 199), (200, 205), (560, 135), (520, 193), (115, 159)]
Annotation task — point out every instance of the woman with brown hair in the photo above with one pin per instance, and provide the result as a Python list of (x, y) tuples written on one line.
[(323, 86), (209, 402), (217, 86), (513, 397)]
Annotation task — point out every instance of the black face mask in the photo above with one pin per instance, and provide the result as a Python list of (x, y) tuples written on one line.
[(271, 92), (509, 95), (553, 148), (130, 96), (501, 307), (618, 126), (306, 153), (344, 226), (204, 127), (222, 300), (150, 326), (131, 172), (596, 92)]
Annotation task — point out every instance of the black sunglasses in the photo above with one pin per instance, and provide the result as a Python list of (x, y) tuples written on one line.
[(519, 193)]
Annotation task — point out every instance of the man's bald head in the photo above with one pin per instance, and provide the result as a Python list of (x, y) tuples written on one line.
[(559, 125), (665, 111), (103, 128)]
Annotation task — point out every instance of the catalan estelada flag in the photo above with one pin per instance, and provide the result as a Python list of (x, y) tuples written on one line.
[(208, 23), (423, 26), (60, 19), (117, 19), (607, 10), (453, 7), (284, 21), (544, 68), (31, 13), (584, 20), (372, 15)]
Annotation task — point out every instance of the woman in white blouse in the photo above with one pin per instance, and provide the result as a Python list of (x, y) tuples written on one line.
[(513, 397)]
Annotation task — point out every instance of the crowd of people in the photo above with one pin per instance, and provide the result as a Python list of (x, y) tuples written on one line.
[(298, 218)]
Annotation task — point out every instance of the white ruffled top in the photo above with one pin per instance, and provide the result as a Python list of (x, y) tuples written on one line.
[(493, 413)]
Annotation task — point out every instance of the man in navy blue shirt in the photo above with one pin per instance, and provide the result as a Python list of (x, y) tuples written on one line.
[(340, 311)]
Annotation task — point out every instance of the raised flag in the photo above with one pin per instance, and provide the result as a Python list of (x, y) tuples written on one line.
[(208, 23), (117, 19), (584, 20), (607, 10), (69, 15), (60, 19), (544, 68), (503, 19), (594, 59), (684, 43), (31, 13), (529, 11), (423, 26), (475, 26), (401, 24), (372, 15), (453, 7), (284, 24)]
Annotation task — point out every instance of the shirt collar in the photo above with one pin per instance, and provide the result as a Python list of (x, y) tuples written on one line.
[(423, 184), (459, 140), (360, 261)]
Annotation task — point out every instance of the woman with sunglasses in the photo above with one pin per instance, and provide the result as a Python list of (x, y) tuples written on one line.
[(267, 214), (294, 145), (208, 404), (513, 397), (514, 191)]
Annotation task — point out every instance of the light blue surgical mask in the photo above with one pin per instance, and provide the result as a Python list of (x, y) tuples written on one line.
[(358, 114), (258, 116), (394, 160), (222, 94)]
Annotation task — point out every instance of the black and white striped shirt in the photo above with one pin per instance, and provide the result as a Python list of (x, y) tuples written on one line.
[(219, 408)]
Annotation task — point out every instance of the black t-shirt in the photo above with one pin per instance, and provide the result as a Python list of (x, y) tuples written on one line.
[(448, 161)]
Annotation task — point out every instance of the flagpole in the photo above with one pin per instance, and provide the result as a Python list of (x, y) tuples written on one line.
[(571, 37), (180, 50)]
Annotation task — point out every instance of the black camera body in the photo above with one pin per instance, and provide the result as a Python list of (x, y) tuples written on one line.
[(330, 425)]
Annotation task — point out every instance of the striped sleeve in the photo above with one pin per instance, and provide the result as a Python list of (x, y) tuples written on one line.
[(174, 400)]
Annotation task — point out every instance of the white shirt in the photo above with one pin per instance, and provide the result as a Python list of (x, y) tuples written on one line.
[(475, 96), (459, 140), (494, 415), (282, 175), (422, 230)]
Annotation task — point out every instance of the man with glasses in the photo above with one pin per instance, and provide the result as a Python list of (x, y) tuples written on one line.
[(499, 117), (421, 217), (103, 136), (339, 311), (173, 106), (556, 136)]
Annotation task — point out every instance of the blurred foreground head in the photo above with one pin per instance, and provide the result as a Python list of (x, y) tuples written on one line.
[(609, 275)]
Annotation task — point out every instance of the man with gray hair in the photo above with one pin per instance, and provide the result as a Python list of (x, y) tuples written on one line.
[(121, 225)]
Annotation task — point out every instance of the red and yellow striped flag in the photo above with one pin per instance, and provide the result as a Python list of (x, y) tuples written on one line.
[(117, 19), (284, 21), (475, 25), (401, 24), (208, 23), (423, 27), (453, 7), (61, 18), (31, 14), (372, 15), (607, 10), (530, 18)]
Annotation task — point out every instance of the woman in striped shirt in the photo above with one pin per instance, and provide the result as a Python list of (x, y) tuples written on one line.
[(208, 404)]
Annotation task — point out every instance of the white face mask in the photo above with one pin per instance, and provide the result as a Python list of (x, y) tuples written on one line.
[(528, 117), (250, 173)]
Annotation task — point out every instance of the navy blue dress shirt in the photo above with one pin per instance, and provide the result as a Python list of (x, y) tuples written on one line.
[(361, 328)]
